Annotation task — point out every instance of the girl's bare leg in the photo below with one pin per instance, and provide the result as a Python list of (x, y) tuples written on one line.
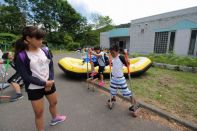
[(38, 107), (52, 99)]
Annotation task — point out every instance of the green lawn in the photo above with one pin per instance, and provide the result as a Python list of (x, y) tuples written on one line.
[(171, 59), (173, 91), (61, 51)]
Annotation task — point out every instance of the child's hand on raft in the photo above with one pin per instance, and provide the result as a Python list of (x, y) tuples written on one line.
[(48, 85)]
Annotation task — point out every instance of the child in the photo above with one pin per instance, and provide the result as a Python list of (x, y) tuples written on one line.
[(100, 62), (45, 45), (118, 80), (36, 69), (15, 80)]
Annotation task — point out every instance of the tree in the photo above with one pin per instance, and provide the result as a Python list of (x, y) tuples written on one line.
[(99, 21), (43, 13), (11, 19), (57, 16), (69, 20), (22, 5), (91, 34)]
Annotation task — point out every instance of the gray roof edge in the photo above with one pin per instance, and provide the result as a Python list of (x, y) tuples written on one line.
[(166, 15)]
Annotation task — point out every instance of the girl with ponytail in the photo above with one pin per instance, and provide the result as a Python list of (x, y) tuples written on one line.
[(36, 69)]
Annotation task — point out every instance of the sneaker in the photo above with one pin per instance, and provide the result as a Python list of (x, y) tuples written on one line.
[(93, 73), (58, 119), (134, 107), (17, 97), (101, 83)]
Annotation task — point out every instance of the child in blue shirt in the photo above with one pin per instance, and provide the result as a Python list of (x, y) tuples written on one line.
[(100, 62)]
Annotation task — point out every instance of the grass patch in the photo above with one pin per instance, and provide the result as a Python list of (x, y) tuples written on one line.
[(175, 92), (61, 51), (171, 59)]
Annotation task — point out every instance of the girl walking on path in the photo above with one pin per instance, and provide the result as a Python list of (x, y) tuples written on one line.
[(36, 69)]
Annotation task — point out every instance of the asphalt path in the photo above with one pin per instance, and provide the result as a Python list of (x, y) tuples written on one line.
[(85, 110)]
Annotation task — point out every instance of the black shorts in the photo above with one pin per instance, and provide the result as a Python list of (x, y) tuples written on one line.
[(101, 69), (39, 93), (16, 78)]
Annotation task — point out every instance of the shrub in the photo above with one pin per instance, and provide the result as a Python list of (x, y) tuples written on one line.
[(73, 46), (7, 38), (68, 38), (171, 58)]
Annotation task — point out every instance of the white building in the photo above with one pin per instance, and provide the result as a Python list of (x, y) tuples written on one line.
[(169, 32)]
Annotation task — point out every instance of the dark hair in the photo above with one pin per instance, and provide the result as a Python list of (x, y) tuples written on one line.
[(114, 48), (19, 46), (97, 48), (5, 55), (31, 31), (45, 43)]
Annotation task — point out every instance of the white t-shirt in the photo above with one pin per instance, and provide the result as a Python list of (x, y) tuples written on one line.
[(39, 66), (117, 67), (100, 59)]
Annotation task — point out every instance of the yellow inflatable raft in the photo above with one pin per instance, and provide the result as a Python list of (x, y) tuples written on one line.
[(74, 66)]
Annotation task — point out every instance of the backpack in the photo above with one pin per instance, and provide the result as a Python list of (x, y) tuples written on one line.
[(122, 59), (23, 55), (106, 59)]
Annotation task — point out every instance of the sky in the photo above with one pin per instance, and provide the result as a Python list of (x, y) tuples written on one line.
[(123, 11)]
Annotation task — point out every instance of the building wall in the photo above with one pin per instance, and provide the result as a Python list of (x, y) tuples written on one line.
[(141, 38), (117, 39), (182, 41), (104, 40), (142, 31)]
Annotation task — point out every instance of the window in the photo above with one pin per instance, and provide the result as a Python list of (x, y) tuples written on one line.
[(171, 42), (193, 43), (161, 42)]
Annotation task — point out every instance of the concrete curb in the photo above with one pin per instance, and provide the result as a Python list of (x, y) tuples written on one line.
[(175, 67), (158, 111)]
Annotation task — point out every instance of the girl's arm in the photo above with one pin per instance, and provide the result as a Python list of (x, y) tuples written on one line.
[(20, 66)]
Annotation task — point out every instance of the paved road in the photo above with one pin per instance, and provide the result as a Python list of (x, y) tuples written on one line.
[(85, 110)]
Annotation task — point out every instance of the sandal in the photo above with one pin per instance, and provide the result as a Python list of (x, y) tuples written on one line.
[(134, 107), (112, 100)]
